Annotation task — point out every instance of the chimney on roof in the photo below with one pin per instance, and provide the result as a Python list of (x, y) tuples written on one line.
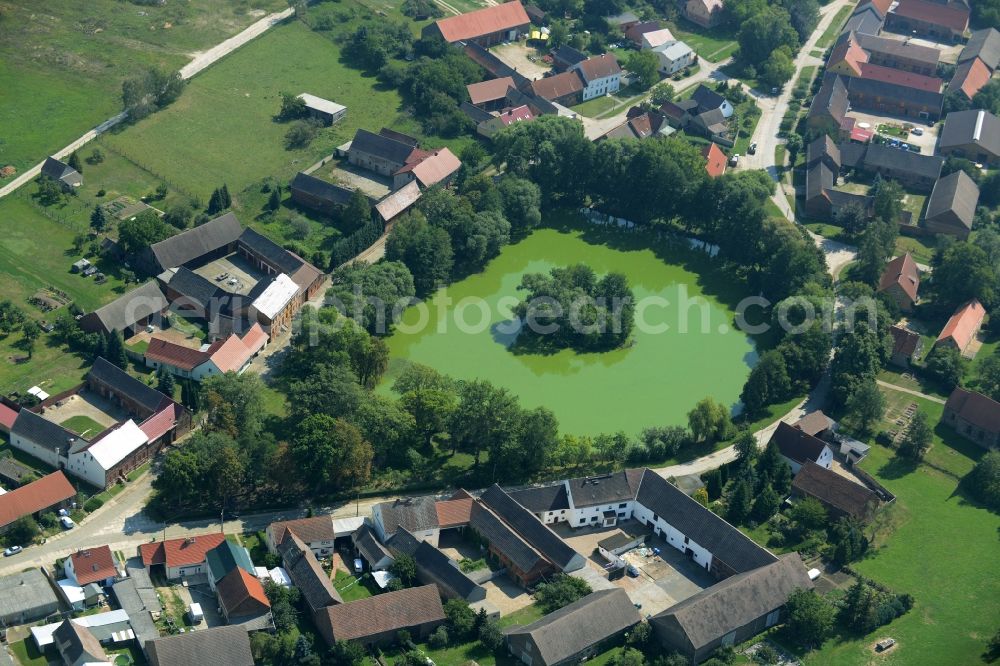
[(189, 540)]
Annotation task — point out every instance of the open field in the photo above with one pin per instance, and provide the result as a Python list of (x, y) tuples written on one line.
[(713, 45), (62, 62), (956, 589), (593, 108)]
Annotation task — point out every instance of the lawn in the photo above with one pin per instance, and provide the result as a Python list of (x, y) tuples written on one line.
[(456, 655), (830, 34), (27, 654), (595, 107), (915, 204), (713, 45), (944, 552), (62, 62), (921, 251), (352, 588), (81, 424)]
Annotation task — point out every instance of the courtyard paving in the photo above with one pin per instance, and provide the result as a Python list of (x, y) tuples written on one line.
[(89, 404)]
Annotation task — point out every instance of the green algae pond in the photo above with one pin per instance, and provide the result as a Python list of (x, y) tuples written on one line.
[(466, 329)]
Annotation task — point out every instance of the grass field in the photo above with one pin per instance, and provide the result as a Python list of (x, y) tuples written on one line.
[(349, 589), (81, 424), (713, 45), (62, 62), (830, 34), (595, 107), (944, 552)]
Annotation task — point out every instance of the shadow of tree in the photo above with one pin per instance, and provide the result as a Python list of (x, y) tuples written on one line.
[(897, 467)]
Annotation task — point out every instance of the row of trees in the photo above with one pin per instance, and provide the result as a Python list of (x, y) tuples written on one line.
[(769, 34)]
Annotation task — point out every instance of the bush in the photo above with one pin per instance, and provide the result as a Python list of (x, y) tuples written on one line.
[(766, 654), (439, 639), (93, 504)]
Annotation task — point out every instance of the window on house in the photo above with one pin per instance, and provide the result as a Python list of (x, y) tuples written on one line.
[(686, 540), (655, 517), (622, 505)]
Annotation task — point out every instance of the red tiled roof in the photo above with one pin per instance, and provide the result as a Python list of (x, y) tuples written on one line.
[(599, 67), (234, 352), (489, 91), (453, 513), (848, 52), (635, 32), (309, 530), (861, 135), (950, 16), (560, 85), (976, 408), (34, 497), (436, 167), (7, 417), (881, 5), (964, 324), (971, 77), (516, 115), (715, 160), (179, 356), (902, 271), (380, 614), (483, 22), (242, 594), (179, 552), (160, 423), (900, 78), (93, 565)]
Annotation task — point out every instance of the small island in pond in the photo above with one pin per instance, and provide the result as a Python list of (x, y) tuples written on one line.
[(570, 308)]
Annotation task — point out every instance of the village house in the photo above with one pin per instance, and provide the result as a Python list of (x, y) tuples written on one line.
[(709, 100), (129, 313), (26, 597), (640, 126), (396, 203), (674, 57), (367, 546), (715, 160), (656, 39), (945, 21), (895, 93), (867, 18), (564, 57), (112, 626), (549, 503), (859, 55), (706, 13), (565, 88), (962, 327), (900, 281), (417, 514), (233, 354), (601, 75), (602, 500), (229, 646), (840, 495), (377, 620), (49, 493), (179, 558), (323, 110), (973, 135), (224, 558), (490, 95), (974, 416), (951, 207), (816, 424), (798, 447), (828, 112), (730, 612), (913, 170), (307, 574), (505, 22), (66, 176), (970, 77), (634, 33), (77, 646), (574, 632), (983, 45), (383, 153), (905, 346), (430, 168), (243, 601), (93, 565), (317, 532), (509, 116), (317, 194)]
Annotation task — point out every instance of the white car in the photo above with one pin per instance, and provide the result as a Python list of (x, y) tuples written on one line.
[(13, 550), (67, 523), (917, 131)]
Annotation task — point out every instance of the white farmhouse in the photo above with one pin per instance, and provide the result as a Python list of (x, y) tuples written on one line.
[(601, 75)]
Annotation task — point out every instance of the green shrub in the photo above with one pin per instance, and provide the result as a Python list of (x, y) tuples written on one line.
[(93, 504)]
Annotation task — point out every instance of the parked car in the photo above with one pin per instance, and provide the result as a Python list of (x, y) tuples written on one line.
[(67, 523), (13, 550), (917, 131), (752, 150), (734, 160)]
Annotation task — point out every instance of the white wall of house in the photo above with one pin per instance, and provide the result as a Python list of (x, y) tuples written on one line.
[(429, 535), (670, 65), (672, 536), (83, 465), (607, 85), (825, 460), (175, 573), (594, 515), (549, 517), (45, 454), (172, 369)]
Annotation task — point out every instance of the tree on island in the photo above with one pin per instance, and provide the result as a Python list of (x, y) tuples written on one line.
[(570, 307)]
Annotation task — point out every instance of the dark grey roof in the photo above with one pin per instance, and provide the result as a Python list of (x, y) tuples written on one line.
[(77, 645), (504, 539), (562, 635), (900, 49), (795, 444), (315, 187), (840, 199), (228, 646), (711, 118), (307, 574), (985, 45), (568, 55), (735, 602), (821, 147), (831, 99), (834, 489), (819, 179), (145, 395), (43, 432), (871, 88), (414, 513), (194, 288), (879, 157), (131, 307), (957, 194), (25, 596), (865, 21), (194, 243), (368, 545), (58, 170), (608, 488), (707, 98), (976, 127), (532, 530), (399, 136), (388, 149), (852, 155), (538, 105), (540, 500), (474, 113), (436, 567), (137, 596), (271, 252), (708, 530)]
